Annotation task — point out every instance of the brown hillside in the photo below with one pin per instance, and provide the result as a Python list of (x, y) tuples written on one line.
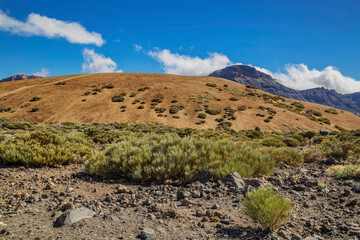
[(63, 103)]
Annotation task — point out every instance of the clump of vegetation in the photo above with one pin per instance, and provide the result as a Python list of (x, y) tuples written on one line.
[(345, 171), (141, 107), (233, 99), (160, 157), (331, 111), (213, 111), (298, 105), (35, 109), (136, 101), (108, 86), (160, 110), (267, 207), (324, 120), (315, 113), (87, 93), (118, 98), (60, 83), (251, 87), (242, 108), (158, 99), (286, 155), (211, 85), (96, 89), (202, 115), (34, 99), (43, 148), (271, 141), (291, 142), (6, 109), (133, 94), (143, 89)]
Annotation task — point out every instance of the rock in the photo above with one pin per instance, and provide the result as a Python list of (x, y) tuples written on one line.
[(215, 206), (196, 194), (183, 194), (234, 179), (112, 218), (255, 183), (148, 234), (2, 224), (356, 188), (202, 177), (225, 221), (49, 186), (72, 216)]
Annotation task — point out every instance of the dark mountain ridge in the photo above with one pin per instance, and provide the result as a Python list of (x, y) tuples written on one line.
[(248, 75)]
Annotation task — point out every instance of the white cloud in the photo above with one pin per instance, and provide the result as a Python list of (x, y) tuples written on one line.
[(37, 25), (44, 73), (300, 77), (138, 48), (97, 63), (174, 63)]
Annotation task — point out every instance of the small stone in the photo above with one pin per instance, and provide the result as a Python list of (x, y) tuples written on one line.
[(49, 186), (356, 188), (148, 234), (72, 216), (225, 221), (215, 206)]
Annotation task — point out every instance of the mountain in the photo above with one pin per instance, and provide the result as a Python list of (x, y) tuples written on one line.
[(250, 76), (19, 77), (179, 101)]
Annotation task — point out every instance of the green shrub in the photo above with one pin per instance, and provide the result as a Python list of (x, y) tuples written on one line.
[(345, 171), (286, 155), (233, 99), (35, 109), (270, 141), (87, 93), (118, 98), (133, 94), (213, 111), (60, 83), (331, 111), (242, 108), (141, 107), (173, 109), (324, 120), (143, 89), (108, 86), (211, 84), (8, 109), (267, 207), (202, 115), (160, 157), (291, 142), (298, 105), (41, 148), (34, 99), (18, 124)]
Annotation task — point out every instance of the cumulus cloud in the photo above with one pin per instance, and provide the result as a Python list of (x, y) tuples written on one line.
[(300, 77), (97, 63), (174, 63), (37, 25), (43, 73), (138, 48)]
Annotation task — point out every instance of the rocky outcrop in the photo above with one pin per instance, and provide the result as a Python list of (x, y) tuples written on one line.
[(250, 76), (19, 77)]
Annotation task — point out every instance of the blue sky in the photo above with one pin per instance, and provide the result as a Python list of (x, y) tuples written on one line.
[(268, 34)]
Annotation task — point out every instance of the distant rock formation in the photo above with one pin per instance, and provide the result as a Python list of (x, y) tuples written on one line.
[(248, 75), (19, 77)]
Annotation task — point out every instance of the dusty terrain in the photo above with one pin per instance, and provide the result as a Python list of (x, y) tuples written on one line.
[(32, 199), (68, 102)]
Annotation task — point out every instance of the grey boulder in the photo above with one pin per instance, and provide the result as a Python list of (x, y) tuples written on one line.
[(72, 216), (234, 179)]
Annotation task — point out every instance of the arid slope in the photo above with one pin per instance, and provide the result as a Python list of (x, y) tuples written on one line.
[(63, 103)]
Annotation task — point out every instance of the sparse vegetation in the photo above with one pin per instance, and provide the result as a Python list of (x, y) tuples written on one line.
[(345, 171), (213, 111), (201, 115), (34, 99), (60, 83), (108, 86), (118, 98), (267, 207), (211, 85)]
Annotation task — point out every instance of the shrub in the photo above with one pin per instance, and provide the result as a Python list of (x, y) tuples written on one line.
[(42, 148), (35, 109), (60, 83), (18, 124), (8, 109), (267, 207), (346, 171), (324, 120), (211, 84), (331, 111), (291, 142), (143, 89), (141, 107), (233, 99), (173, 109), (271, 141), (286, 155), (117, 98), (251, 87), (87, 93), (201, 115), (242, 108), (34, 99), (160, 110), (161, 157), (298, 105), (108, 86), (133, 94), (136, 101), (213, 111), (123, 106)]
